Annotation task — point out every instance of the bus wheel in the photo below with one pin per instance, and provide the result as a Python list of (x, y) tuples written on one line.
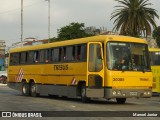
[(121, 100), (84, 98), (33, 90), (25, 89)]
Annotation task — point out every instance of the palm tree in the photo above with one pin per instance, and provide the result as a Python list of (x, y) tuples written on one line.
[(133, 17)]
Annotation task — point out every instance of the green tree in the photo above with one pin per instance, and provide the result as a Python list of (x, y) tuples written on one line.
[(156, 35), (71, 31), (133, 17), (53, 39)]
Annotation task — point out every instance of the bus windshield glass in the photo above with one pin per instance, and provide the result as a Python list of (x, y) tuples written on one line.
[(155, 58), (127, 56)]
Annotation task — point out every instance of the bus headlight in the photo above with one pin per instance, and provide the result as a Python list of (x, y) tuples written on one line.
[(114, 93), (119, 93), (145, 93), (149, 92)]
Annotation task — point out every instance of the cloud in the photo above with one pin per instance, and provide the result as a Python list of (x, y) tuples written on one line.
[(91, 12)]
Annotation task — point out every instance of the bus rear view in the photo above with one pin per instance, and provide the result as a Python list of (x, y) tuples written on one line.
[(155, 67)]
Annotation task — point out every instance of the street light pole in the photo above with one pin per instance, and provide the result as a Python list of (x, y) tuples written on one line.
[(21, 22), (48, 20)]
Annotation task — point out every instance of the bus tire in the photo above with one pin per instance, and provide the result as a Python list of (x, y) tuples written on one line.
[(84, 98), (121, 100), (25, 89), (33, 90)]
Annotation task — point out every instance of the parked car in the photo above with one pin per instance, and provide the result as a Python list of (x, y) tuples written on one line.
[(3, 79)]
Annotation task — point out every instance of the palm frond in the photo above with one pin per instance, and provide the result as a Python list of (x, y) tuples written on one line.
[(133, 17)]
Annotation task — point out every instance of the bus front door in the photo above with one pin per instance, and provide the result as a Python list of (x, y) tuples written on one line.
[(95, 70)]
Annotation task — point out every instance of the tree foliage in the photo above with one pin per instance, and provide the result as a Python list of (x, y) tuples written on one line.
[(134, 17), (156, 35), (71, 31)]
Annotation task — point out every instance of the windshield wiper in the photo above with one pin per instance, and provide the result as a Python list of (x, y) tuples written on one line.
[(143, 70)]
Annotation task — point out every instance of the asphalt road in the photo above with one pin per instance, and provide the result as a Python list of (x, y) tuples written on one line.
[(12, 100)]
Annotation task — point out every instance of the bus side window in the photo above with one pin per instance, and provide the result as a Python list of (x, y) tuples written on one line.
[(78, 52), (52, 55), (55, 54), (47, 55), (81, 52), (74, 53), (23, 58), (11, 59), (14, 59), (62, 54), (30, 57), (42, 56), (70, 53), (36, 56), (83, 55)]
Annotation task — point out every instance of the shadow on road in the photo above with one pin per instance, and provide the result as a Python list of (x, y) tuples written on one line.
[(78, 100)]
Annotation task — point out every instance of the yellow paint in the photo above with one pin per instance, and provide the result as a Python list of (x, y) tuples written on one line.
[(46, 74), (156, 73)]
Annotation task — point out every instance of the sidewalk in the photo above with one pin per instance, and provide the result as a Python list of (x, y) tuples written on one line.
[(3, 84)]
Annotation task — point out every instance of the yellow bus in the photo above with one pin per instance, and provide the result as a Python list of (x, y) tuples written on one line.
[(105, 66), (155, 67)]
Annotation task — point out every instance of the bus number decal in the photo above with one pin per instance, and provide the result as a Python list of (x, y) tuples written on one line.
[(118, 79), (60, 67), (144, 79)]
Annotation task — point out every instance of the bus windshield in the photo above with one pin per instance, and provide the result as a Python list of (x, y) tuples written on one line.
[(123, 56), (155, 57)]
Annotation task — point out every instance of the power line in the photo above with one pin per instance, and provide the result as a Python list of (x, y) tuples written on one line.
[(8, 11)]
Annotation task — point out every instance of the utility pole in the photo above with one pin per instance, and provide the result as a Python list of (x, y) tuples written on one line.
[(48, 20), (21, 22)]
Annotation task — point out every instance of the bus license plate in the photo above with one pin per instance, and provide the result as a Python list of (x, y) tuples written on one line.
[(133, 93)]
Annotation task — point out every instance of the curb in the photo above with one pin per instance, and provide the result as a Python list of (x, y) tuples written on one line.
[(3, 84)]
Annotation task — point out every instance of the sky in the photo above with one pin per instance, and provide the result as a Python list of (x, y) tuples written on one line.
[(62, 12)]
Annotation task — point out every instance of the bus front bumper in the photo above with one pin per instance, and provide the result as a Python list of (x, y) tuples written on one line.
[(127, 93), (118, 93)]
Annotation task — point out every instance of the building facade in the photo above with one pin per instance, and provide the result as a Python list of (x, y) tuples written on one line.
[(2, 55), (95, 31), (151, 42)]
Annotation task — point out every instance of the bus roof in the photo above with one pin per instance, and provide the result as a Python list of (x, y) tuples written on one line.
[(154, 49), (100, 38)]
